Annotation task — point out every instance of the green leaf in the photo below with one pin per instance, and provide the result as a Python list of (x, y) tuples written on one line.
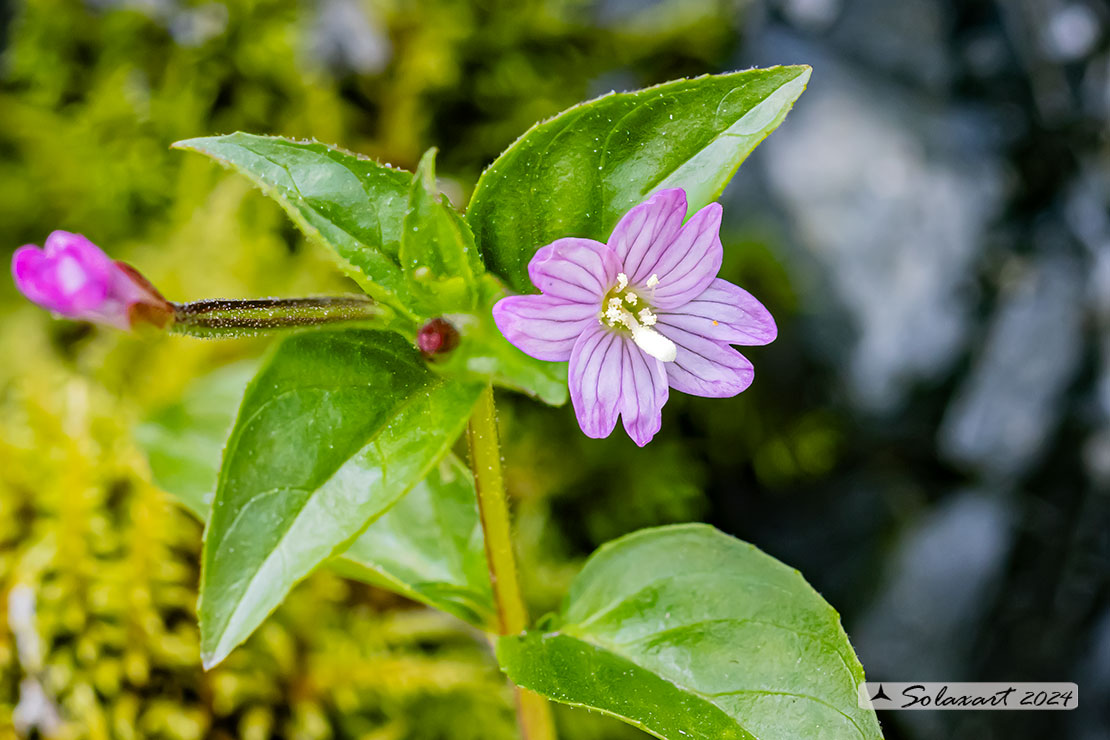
[(184, 440), (578, 173), (350, 203), (428, 547), (437, 249), (687, 633), (333, 430)]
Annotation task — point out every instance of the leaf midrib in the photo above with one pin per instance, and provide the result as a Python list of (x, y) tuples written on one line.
[(706, 142), (619, 646), (308, 206), (612, 606)]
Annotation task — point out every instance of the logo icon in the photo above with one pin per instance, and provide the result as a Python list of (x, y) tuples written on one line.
[(880, 694)]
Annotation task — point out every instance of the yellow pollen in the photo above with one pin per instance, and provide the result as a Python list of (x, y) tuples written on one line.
[(715, 322)]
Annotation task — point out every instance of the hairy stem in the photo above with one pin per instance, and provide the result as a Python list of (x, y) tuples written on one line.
[(236, 318), (533, 711)]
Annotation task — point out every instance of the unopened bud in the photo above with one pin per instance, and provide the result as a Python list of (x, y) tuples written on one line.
[(74, 278), (437, 337)]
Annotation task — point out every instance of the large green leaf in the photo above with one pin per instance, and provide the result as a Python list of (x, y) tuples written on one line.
[(352, 204), (688, 633), (578, 173), (428, 547), (333, 430)]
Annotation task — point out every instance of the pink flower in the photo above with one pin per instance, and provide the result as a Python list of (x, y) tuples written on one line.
[(638, 316), (72, 277)]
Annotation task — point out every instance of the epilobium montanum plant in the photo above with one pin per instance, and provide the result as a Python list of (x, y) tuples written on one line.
[(592, 244)]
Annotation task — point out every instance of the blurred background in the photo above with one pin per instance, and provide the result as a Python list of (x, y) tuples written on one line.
[(928, 441)]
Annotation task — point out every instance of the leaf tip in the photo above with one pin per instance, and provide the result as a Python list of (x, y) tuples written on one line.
[(426, 170), (210, 657), (204, 144), (208, 661), (186, 144)]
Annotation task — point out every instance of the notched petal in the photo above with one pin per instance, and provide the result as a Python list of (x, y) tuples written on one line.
[(595, 381), (645, 232), (543, 326), (725, 313), (644, 391), (580, 270), (691, 262), (703, 367)]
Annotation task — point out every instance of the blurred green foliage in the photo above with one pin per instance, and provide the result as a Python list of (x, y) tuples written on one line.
[(91, 96), (113, 567)]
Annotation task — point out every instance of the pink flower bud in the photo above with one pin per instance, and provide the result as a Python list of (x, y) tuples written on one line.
[(73, 278)]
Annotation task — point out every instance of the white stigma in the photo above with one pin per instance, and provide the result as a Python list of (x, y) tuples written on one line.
[(654, 343)]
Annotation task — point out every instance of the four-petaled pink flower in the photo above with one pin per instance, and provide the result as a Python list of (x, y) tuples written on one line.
[(72, 277), (639, 315)]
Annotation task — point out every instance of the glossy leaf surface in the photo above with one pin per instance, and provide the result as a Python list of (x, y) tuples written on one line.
[(352, 204), (578, 173), (333, 430), (686, 632), (428, 547)]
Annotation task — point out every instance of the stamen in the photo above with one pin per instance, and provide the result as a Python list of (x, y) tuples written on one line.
[(616, 315), (614, 312)]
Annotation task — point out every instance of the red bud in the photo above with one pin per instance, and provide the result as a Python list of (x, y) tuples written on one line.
[(437, 337)]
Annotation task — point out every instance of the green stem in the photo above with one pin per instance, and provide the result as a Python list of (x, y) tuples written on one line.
[(236, 318), (533, 711)]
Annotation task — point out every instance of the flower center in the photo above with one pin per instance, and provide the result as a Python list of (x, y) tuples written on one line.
[(624, 310)]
